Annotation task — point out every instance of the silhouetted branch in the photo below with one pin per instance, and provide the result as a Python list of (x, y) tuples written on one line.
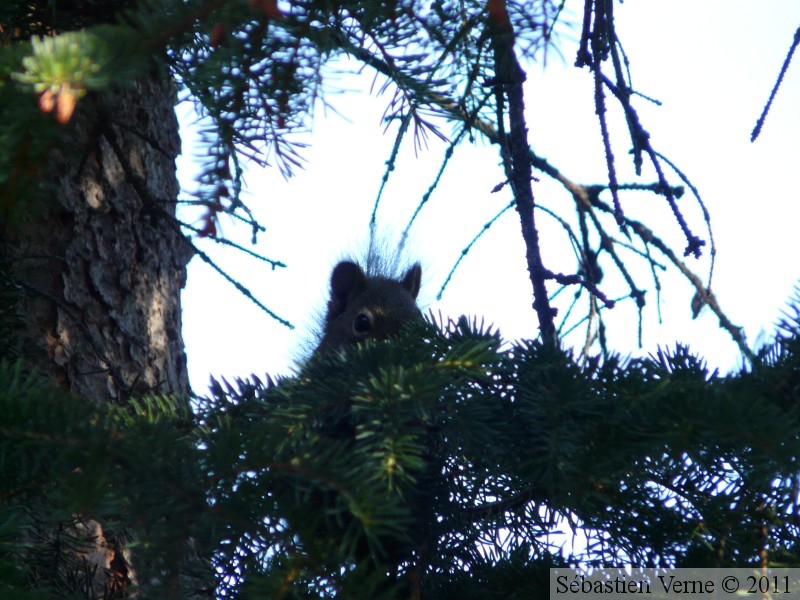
[(768, 105), (515, 151)]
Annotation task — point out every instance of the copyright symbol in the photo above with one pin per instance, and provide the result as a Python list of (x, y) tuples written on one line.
[(730, 584)]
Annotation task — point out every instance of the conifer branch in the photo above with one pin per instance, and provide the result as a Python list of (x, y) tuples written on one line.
[(515, 151)]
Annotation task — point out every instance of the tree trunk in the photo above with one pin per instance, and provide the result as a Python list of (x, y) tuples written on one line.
[(101, 268)]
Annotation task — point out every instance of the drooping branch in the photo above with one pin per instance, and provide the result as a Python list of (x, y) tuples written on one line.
[(703, 292), (583, 195)]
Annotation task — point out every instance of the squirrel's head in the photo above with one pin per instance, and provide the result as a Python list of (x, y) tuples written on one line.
[(362, 306)]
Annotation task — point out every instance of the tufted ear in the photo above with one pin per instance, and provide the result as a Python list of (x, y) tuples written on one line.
[(346, 278), (412, 280)]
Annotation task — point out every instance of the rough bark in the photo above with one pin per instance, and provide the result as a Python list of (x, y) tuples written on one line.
[(101, 269)]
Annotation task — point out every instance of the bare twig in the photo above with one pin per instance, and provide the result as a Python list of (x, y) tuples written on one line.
[(768, 105)]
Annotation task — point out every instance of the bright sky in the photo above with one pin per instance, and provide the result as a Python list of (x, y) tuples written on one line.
[(712, 64)]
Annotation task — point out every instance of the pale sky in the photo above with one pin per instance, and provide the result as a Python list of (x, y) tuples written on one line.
[(712, 64)]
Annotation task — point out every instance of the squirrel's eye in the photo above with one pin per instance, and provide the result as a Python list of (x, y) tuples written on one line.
[(362, 323)]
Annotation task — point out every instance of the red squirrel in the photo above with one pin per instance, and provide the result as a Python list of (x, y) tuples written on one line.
[(367, 306)]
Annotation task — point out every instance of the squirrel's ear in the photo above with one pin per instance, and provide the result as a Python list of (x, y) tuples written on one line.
[(412, 280), (346, 278)]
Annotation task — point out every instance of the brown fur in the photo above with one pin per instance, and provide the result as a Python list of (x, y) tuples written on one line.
[(362, 306)]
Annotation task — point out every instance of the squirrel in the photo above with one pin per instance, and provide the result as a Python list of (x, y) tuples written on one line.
[(367, 306), (369, 302)]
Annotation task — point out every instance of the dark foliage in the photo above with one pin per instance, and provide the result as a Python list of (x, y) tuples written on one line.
[(444, 462)]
